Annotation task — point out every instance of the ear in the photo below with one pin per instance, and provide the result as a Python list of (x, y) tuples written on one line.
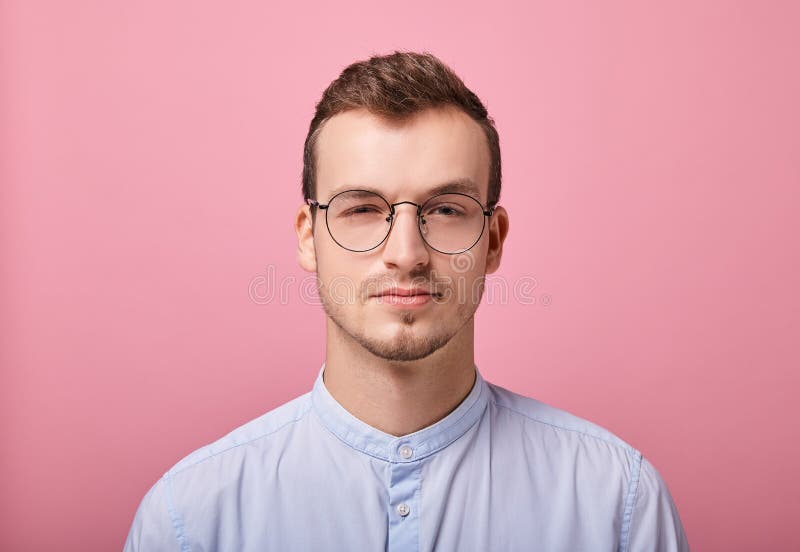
[(498, 230), (306, 254)]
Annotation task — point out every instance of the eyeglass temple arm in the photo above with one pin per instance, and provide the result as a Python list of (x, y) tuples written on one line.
[(315, 203)]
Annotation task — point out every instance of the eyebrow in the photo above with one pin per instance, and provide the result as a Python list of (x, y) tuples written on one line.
[(458, 185)]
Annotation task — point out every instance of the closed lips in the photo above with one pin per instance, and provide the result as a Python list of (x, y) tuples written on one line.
[(404, 292)]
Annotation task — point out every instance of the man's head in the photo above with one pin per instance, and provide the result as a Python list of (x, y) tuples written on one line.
[(406, 127)]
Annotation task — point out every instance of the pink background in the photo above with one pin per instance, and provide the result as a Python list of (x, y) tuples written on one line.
[(151, 157)]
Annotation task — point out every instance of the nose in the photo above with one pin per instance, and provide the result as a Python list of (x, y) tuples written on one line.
[(404, 249)]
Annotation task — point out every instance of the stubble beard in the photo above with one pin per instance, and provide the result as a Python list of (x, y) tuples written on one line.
[(405, 345)]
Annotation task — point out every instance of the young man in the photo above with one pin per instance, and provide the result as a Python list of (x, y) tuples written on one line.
[(401, 444)]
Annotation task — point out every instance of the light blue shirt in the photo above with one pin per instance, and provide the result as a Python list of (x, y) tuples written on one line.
[(500, 472)]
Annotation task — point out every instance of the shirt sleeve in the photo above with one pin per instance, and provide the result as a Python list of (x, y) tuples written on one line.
[(153, 529), (655, 524)]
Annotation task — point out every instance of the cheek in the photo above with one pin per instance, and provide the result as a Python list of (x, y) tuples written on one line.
[(461, 284), (468, 266), (331, 259), (340, 275), (472, 289)]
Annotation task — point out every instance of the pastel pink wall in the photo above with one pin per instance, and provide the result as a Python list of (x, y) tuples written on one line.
[(151, 154)]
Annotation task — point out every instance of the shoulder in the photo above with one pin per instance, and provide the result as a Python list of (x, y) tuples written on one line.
[(201, 477), (597, 457), (651, 519), (537, 416), (258, 432)]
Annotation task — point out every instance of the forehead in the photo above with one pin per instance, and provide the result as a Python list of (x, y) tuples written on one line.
[(410, 158)]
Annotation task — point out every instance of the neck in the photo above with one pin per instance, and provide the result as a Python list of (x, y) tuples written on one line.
[(399, 397)]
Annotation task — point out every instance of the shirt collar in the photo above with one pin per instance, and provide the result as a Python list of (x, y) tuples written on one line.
[(407, 448)]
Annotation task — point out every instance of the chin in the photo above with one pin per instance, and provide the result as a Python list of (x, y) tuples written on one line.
[(403, 350)]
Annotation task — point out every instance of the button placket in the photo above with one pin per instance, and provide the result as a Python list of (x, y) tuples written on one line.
[(404, 508)]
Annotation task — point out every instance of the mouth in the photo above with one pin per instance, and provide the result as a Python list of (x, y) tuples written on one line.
[(400, 297)]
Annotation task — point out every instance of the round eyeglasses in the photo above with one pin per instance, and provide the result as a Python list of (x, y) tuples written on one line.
[(360, 220)]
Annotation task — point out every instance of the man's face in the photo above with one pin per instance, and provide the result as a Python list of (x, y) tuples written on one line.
[(402, 162)]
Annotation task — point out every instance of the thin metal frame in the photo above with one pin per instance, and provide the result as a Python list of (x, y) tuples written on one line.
[(487, 212)]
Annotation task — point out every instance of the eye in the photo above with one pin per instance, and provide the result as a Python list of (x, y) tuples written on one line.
[(445, 210), (360, 210)]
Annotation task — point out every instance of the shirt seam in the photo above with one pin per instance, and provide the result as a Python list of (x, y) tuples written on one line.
[(624, 446), (418, 473), (627, 516), (447, 442), (175, 518), (350, 445), (236, 445)]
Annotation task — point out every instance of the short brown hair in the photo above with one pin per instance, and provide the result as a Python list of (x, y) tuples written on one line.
[(396, 86)]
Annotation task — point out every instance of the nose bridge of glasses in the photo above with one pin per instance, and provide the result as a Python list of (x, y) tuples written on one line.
[(393, 211)]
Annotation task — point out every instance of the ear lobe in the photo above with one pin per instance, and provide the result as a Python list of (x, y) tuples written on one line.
[(306, 254), (498, 230)]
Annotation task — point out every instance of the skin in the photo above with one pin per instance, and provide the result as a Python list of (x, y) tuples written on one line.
[(396, 368)]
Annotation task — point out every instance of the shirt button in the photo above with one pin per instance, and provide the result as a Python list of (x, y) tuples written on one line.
[(406, 451), (403, 509)]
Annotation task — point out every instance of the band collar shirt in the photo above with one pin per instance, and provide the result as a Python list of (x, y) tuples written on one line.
[(500, 472)]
